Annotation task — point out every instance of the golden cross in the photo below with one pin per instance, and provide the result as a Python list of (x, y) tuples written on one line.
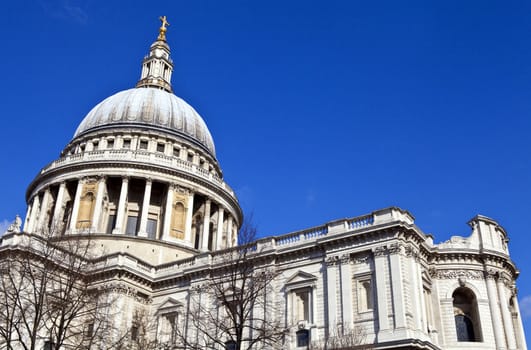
[(164, 22)]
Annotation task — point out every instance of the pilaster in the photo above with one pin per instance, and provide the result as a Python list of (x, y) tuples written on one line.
[(331, 288), (346, 290), (494, 309)]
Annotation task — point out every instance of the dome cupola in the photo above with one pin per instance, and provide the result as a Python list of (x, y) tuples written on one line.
[(141, 166)]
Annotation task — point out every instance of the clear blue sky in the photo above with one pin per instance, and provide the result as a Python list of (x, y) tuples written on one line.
[(319, 109)]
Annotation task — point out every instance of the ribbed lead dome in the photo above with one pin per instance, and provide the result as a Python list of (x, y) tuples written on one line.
[(150, 108)]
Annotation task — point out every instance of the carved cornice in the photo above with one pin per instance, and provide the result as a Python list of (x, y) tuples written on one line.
[(124, 289)]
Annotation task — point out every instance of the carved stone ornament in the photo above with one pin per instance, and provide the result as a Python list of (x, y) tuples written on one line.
[(360, 258), (121, 288), (380, 251), (460, 275), (395, 248), (345, 258), (332, 260), (412, 252), (491, 274), (14, 227)]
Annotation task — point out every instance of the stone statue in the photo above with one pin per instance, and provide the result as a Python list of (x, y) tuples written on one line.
[(15, 225)]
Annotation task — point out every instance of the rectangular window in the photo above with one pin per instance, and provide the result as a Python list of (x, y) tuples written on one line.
[(143, 144), (130, 229), (134, 332), (301, 305), (110, 144), (152, 228), (89, 330), (176, 151), (168, 327), (95, 145), (160, 147), (48, 345), (111, 223), (127, 143), (303, 338), (190, 157), (365, 297)]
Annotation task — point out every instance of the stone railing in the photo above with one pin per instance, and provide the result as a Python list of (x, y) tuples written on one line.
[(139, 156), (266, 245)]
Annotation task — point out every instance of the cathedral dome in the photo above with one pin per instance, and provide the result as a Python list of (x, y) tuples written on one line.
[(151, 108)]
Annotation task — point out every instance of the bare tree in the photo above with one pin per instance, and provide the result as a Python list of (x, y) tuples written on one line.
[(344, 338), (232, 308), (47, 295)]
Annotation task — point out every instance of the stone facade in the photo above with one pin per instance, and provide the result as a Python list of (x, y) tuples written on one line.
[(141, 178)]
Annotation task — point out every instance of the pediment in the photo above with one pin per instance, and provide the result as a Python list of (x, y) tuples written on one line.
[(169, 305), (300, 279)]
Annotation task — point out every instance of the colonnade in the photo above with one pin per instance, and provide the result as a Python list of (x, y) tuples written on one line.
[(151, 209)]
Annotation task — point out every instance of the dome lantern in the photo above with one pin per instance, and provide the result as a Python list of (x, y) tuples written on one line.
[(157, 67)]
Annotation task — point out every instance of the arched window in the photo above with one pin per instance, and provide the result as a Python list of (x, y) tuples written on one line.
[(467, 323)]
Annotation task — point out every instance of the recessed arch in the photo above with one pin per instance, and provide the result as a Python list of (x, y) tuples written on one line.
[(466, 315)]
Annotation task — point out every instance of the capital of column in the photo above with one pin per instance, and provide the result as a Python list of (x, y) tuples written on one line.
[(345, 259), (491, 274), (380, 251), (332, 260), (396, 248), (125, 178)]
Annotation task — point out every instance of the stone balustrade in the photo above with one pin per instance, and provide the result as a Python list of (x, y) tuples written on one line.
[(264, 245), (139, 156)]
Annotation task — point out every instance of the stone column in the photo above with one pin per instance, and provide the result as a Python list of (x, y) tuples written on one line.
[(521, 333), (506, 315), (494, 310), (44, 209), (219, 231), (346, 290), (189, 217), (75, 208), (34, 210), (27, 219), (167, 212), (229, 232), (331, 291), (380, 265), (122, 203), (206, 226), (97, 206), (58, 210), (397, 286), (145, 209)]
